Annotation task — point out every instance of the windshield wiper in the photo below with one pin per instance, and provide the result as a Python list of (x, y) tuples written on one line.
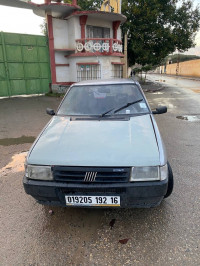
[(126, 105), (120, 108), (102, 115)]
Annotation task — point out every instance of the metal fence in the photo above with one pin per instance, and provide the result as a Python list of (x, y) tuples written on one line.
[(24, 64)]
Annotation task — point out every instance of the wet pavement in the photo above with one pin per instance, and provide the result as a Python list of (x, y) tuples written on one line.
[(16, 141), (32, 234)]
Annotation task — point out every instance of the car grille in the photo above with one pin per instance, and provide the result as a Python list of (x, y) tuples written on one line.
[(91, 174)]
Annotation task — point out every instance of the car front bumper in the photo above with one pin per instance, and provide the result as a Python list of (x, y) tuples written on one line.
[(132, 195)]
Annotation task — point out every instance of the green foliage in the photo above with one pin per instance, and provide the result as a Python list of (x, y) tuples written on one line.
[(43, 28), (179, 58), (155, 28), (88, 4)]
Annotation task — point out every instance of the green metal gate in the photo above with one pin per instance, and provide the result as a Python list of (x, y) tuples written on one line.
[(24, 64)]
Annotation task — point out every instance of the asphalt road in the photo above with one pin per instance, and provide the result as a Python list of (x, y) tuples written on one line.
[(32, 234)]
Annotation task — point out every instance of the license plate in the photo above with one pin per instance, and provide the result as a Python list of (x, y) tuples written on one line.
[(105, 201)]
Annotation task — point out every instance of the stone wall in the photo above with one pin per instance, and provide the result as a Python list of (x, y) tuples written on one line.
[(188, 68)]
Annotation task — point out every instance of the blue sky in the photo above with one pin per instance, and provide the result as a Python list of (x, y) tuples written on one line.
[(24, 21)]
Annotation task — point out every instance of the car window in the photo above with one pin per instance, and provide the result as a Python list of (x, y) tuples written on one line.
[(98, 99)]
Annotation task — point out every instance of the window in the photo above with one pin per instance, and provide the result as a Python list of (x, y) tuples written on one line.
[(88, 72), (117, 71), (97, 32)]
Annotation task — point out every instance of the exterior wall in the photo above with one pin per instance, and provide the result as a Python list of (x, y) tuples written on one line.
[(119, 33), (65, 32), (60, 58), (171, 69), (74, 31), (62, 74), (60, 32), (188, 68), (106, 66), (104, 61)]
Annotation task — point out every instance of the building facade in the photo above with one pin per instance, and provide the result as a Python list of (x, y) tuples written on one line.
[(83, 45)]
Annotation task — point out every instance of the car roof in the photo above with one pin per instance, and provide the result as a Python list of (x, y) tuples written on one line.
[(106, 82)]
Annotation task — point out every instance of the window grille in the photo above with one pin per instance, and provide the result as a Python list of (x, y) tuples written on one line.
[(88, 72), (117, 71)]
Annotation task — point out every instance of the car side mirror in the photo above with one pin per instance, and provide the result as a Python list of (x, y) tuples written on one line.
[(50, 111), (160, 110)]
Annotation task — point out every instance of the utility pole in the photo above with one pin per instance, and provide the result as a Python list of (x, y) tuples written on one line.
[(125, 60), (177, 66)]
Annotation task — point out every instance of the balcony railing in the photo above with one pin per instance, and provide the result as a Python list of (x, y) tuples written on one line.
[(103, 45)]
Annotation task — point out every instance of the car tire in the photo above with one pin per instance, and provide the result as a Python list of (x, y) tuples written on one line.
[(170, 182)]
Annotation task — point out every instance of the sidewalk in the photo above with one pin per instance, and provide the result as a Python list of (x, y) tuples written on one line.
[(175, 76), (149, 86)]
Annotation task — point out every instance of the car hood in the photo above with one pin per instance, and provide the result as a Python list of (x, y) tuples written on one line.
[(96, 143)]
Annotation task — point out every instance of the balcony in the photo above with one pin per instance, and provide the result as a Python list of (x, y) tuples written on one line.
[(102, 46)]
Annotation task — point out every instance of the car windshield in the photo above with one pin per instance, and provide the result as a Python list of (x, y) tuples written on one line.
[(104, 100)]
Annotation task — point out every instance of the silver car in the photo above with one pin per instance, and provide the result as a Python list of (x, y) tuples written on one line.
[(102, 148)]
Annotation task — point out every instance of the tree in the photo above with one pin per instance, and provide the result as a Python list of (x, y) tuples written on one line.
[(43, 28), (159, 27), (179, 58), (155, 28), (88, 4)]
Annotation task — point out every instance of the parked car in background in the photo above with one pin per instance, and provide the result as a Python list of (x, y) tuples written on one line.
[(102, 148)]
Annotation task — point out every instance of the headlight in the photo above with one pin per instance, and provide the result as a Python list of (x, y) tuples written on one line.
[(38, 172), (145, 173), (150, 173)]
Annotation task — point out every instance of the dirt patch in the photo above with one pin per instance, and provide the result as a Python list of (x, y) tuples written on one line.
[(16, 165), (196, 90), (150, 87)]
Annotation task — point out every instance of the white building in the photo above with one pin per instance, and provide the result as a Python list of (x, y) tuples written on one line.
[(83, 45)]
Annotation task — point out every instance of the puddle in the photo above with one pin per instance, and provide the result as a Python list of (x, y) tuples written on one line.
[(16, 141), (16, 165), (159, 92), (176, 92), (22, 96), (160, 80), (171, 106), (190, 118)]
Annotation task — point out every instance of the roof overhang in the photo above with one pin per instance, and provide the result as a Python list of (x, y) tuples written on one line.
[(108, 16), (57, 10), (16, 3)]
